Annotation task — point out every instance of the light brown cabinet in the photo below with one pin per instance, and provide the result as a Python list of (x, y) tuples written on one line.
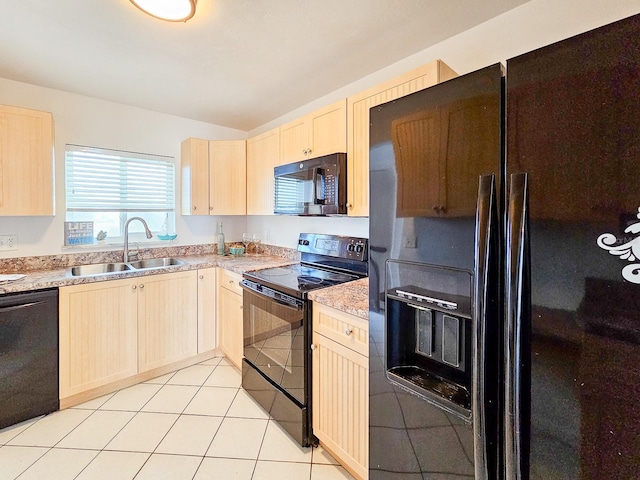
[(207, 326), (98, 334), (113, 330), (213, 177), (340, 377), (358, 126), (26, 162), (263, 154), (167, 319), (319, 133), (230, 316)]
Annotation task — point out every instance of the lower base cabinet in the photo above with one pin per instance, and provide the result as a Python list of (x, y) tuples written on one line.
[(113, 330), (340, 376), (167, 319), (230, 316)]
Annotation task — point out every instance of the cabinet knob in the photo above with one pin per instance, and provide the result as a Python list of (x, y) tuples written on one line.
[(201, 277), (312, 347), (348, 205), (194, 208), (230, 282), (211, 209), (133, 288), (348, 331), (141, 286)]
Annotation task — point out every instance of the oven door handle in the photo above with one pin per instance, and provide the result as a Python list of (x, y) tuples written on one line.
[(296, 304)]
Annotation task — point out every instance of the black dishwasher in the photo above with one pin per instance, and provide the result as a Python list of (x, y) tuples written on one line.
[(28, 355)]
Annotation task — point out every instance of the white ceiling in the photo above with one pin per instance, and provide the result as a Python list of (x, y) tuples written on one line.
[(237, 63)]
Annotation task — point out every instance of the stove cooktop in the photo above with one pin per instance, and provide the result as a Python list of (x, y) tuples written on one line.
[(299, 278)]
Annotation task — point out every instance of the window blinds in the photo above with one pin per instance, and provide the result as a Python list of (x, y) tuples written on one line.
[(100, 180)]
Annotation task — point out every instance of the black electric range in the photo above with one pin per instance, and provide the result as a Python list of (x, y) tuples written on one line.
[(276, 369)]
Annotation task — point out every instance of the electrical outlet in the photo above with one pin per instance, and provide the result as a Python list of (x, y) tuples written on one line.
[(8, 242), (410, 242)]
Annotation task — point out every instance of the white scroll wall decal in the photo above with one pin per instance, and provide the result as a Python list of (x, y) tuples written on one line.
[(629, 251)]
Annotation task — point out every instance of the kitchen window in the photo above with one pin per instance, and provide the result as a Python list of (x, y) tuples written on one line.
[(110, 186)]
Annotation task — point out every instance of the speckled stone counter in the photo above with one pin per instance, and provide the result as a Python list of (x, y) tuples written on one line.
[(350, 297), (58, 277)]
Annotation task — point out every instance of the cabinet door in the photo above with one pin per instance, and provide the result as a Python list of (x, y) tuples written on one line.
[(98, 335), (167, 318), (341, 402), (207, 310), (263, 153), (230, 324), (358, 126), (230, 319), (228, 177), (194, 158), (328, 130), (294, 141), (26, 162)]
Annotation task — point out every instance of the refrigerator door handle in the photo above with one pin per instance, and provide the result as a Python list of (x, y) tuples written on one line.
[(517, 332), (485, 369)]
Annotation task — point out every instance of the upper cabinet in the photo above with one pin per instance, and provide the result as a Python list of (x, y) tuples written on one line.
[(263, 153), (213, 177), (319, 133), (26, 162), (358, 126)]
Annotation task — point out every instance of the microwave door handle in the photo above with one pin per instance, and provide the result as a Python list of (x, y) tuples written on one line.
[(318, 176)]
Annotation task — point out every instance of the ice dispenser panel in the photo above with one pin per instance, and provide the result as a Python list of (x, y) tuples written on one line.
[(428, 332)]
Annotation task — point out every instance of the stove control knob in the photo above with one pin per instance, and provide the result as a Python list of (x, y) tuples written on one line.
[(351, 247), (359, 248)]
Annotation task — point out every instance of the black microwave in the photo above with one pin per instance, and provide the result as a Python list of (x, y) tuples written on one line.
[(317, 186)]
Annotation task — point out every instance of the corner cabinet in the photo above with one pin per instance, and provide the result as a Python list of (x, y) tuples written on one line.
[(230, 316), (115, 329), (358, 126), (26, 162), (319, 133), (340, 376), (263, 154), (213, 177)]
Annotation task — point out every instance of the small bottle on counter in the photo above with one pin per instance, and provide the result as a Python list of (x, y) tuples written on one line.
[(220, 240)]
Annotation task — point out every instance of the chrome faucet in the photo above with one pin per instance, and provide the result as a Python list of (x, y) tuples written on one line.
[(126, 235)]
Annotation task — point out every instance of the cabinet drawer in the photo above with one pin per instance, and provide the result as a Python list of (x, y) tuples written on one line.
[(229, 280), (341, 327)]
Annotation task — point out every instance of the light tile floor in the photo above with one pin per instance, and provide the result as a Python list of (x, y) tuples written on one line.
[(196, 424)]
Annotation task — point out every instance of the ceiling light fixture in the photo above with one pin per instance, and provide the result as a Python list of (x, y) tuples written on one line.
[(170, 10)]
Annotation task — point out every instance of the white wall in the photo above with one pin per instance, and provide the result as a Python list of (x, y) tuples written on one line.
[(87, 121)]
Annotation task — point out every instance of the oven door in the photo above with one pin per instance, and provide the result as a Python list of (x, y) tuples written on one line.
[(274, 338)]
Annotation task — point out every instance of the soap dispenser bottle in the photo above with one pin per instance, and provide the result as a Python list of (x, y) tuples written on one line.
[(220, 240)]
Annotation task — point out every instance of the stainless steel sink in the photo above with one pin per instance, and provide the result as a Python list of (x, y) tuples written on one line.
[(155, 263), (98, 269), (106, 268)]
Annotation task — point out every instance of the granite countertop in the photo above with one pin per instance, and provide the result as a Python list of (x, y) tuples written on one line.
[(350, 297), (59, 277)]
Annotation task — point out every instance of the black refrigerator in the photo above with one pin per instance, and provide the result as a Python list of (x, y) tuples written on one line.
[(505, 269)]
